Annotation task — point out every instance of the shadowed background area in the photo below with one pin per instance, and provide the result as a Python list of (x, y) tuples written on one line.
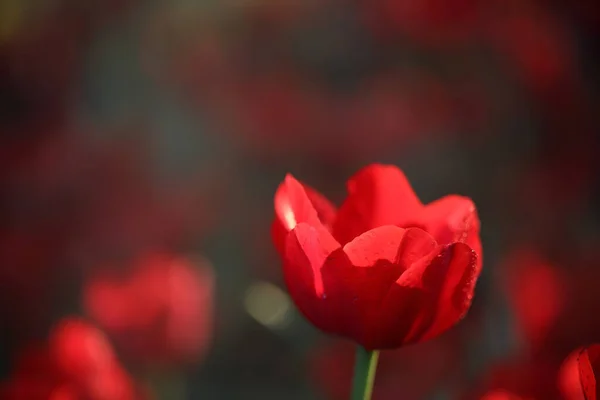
[(141, 144)]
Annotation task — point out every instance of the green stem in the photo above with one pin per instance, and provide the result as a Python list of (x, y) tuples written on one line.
[(364, 373)]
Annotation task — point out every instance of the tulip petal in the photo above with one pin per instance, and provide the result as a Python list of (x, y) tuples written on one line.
[(589, 366), (341, 291), (357, 285), (430, 296), (450, 279), (307, 250), (292, 205), (296, 203), (418, 245), (326, 211), (384, 243), (390, 251), (453, 219), (378, 195), (569, 380)]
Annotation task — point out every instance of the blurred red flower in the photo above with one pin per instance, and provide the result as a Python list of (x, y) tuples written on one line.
[(536, 43), (429, 23), (577, 379), (384, 270), (77, 363), (160, 312), (518, 379), (536, 290)]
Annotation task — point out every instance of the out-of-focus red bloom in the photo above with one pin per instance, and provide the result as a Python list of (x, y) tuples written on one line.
[(537, 293), (77, 364), (573, 327), (577, 379), (535, 42), (161, 312), (517, 380), (384, 270), (430, 22), (398, 110)]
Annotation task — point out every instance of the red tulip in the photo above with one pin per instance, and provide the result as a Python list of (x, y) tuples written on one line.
[(161, 312), (77, 363), (429, 23), (536, 291), (577, 379), (516, 379), (384, 270), (536, 43)]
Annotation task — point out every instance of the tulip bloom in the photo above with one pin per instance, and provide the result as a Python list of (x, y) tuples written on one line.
[(384, 270), (76, 363), (536, 291), (577, 378), (160, 312)]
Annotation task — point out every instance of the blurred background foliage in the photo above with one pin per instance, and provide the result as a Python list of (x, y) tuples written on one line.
[(141, 143)]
